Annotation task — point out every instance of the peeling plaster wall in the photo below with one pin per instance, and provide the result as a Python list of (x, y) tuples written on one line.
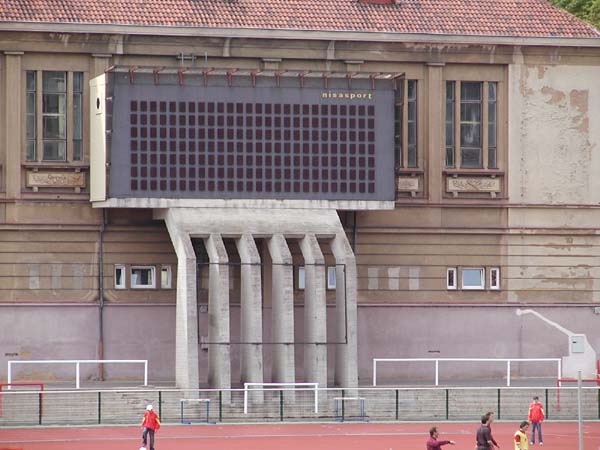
[(554, 134)]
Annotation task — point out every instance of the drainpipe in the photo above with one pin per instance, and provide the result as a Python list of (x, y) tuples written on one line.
[(354, 231), (101, 296)]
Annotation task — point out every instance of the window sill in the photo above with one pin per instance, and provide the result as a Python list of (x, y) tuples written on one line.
[(477, 172), (55, 165)]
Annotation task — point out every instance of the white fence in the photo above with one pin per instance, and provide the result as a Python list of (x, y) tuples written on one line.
[(78, 362), (437, 361)]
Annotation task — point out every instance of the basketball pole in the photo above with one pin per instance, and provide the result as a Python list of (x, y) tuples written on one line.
[(579, 420)]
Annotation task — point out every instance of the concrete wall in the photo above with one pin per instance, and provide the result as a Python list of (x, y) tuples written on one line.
[(148, 332), (466, 332), (554, 129)]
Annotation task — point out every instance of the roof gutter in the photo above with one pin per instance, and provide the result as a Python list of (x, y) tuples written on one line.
[(256, 33)]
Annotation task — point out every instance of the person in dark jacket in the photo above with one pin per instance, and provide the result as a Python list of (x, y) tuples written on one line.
[(150, 425), (490, 415), (433, 443), (484, 436)]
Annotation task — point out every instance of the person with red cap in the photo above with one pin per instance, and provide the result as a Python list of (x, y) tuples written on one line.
[(150, 425)]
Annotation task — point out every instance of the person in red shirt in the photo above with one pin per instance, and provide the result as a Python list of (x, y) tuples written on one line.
[(536, 417), (433, 443), (150, 425)]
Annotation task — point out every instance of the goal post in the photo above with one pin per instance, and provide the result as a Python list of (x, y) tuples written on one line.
[(197, 407), (281, 387)]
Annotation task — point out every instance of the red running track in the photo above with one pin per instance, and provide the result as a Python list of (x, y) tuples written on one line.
[(334, 436)]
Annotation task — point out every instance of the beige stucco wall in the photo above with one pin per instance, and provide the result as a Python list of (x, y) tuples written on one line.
[(554, 134)]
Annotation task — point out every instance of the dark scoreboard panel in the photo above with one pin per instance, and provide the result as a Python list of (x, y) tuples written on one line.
[(228, 140)]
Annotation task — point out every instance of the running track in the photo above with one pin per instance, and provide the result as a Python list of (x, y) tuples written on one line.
[(334, 436)]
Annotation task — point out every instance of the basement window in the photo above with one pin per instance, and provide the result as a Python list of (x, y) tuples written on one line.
[(143, 277), (331, 280), (473, 278), (165, 277), (120, 277)]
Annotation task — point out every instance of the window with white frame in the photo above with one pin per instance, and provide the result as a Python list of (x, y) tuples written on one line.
[(451, 278), (495, 278), (472, 278), (331, 277), (120, 277), (142, 277), (471, 124), (54, 116), (405, 124), (165, 277), (301, 278)]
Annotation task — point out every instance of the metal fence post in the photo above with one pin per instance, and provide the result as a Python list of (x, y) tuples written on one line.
[(159, 403), (343, 396), (547, 404), (99, 407), (40, 402), (220, 405), (397, 404), (281, 405), (447, 405), (498, 404)]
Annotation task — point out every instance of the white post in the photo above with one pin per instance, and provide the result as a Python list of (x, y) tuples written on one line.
[(9, 374), (374, 372), (316, 398), (146, 373), (579, 419), (437, 372), (77, 375), (559, 370), (508, 372), (245, 398)]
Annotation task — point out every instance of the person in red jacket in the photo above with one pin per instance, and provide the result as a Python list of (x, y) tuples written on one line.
[(536, 417), (150, 425), (433, 443)]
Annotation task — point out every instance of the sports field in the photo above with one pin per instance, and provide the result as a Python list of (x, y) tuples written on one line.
[(334, 436)]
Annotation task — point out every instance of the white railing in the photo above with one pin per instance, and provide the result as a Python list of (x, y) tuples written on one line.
[(281, 387), (437, 364), (78, 362)]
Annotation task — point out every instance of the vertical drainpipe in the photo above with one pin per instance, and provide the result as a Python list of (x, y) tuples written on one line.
[(354, 231), (101, 296)]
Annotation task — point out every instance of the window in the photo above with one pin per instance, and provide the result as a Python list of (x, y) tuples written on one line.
[(301, 278), (451, 278), (495, 278), (471, 124), (142, 277), (405, 124), (331, 274), (120, 282), (473, 278), (165, 277), (54, 116)]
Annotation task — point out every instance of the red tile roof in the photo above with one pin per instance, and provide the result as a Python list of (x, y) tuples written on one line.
[(521, 18)]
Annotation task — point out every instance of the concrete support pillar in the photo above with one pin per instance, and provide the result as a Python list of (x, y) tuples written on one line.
[(251, 311), (346, 356), (219, 363), (186, 327), (315, 312), (282, 298)]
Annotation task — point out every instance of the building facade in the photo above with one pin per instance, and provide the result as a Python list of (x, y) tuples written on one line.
[(245, 192)]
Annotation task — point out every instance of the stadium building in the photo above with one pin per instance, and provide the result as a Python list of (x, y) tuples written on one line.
[(282, 191)]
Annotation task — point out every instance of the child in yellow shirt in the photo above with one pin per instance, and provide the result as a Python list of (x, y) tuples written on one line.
[(520, 439)]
